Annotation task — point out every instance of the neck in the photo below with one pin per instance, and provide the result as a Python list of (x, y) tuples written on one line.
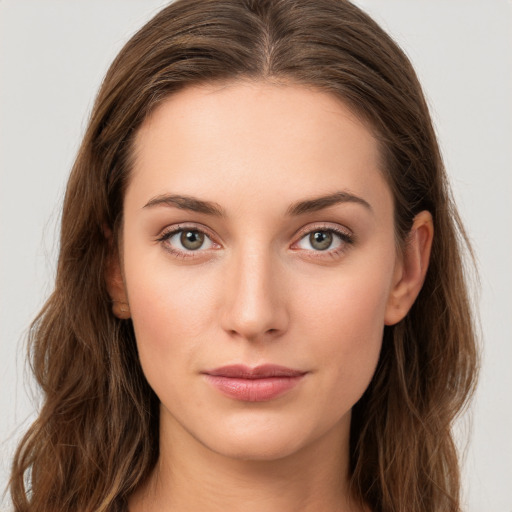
[(191, 477)]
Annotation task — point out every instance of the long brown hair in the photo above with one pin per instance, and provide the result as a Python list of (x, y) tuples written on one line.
[(96, 437)]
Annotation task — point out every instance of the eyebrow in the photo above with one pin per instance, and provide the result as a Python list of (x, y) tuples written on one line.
[(319, 203), (191, 203), (187, 203)]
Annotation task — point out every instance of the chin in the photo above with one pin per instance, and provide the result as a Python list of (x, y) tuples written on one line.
[(263, 438), (263, 447)]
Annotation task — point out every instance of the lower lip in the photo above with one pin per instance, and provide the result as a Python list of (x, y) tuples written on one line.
[(253, 390)]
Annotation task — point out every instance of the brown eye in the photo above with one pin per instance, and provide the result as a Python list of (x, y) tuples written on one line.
[(320, 240), (191, 240)]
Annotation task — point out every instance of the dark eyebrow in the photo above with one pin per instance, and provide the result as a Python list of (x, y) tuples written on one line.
[(187, 203), (319, 203), (209, 208)]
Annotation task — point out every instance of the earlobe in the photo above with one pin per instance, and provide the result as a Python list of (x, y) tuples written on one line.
[(121, 310), (116, 287), (411, 270)]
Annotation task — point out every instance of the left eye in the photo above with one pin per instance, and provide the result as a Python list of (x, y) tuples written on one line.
[(321, 240), (188, 240)]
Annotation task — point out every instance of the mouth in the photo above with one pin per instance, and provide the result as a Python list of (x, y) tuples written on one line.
[(258, 384)]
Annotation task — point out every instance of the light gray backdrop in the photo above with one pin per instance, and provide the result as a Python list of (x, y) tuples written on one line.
[(53, 54)]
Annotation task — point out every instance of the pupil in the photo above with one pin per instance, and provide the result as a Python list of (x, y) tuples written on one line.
[(192, 239), (320, 240)]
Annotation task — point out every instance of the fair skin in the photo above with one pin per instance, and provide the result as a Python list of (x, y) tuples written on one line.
[(258, 280)]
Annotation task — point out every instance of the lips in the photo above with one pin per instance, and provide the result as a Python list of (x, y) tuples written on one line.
[(258, 384)]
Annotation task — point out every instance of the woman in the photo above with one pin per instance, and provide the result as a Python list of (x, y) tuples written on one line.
[(259, 302)]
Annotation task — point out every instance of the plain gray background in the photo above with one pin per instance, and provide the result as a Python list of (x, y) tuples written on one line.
[(53, 54)]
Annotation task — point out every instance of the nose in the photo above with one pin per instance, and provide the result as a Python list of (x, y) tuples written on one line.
[(254, 306)]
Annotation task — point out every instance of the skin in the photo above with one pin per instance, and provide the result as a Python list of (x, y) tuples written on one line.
[(259, 292)]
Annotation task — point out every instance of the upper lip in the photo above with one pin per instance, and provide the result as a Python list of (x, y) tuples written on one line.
[(259, 372)]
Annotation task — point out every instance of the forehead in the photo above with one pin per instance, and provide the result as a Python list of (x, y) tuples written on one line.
[(278, 141)]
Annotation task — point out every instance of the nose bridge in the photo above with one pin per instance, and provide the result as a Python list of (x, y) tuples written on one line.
[(254, 306)]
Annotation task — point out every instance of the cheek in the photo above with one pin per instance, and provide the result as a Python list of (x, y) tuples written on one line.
[(170, 312), (344, 321), (348, 304)]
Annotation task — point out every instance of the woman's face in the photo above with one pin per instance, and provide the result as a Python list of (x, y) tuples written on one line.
[(258, 230)]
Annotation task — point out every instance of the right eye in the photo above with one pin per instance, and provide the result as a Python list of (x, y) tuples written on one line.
[(186, 241)]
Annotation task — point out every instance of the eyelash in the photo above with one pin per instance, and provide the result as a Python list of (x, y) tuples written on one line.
[(346, 238)]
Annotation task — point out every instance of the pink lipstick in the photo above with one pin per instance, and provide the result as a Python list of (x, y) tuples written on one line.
[(258, 384)]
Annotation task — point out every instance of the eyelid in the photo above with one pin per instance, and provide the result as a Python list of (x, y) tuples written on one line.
[(346, 235), (169, 231), (182, 226), (324, 226)]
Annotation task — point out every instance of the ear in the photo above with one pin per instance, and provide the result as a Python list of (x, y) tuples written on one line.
[(115, 283), (411, 269)]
